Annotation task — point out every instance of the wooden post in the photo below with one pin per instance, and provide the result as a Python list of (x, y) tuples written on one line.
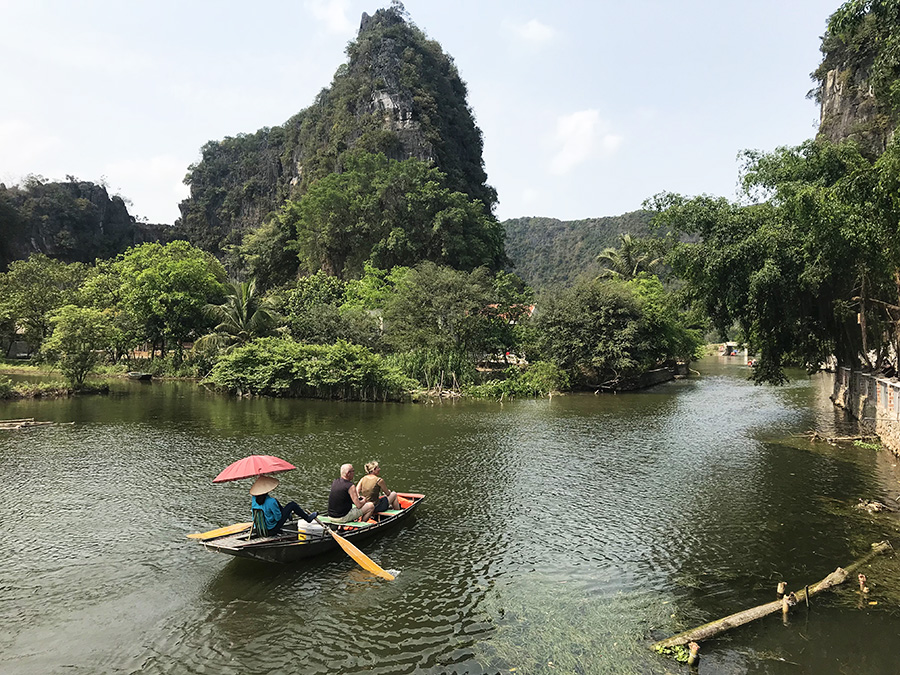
[(694, 658), (781, 588)]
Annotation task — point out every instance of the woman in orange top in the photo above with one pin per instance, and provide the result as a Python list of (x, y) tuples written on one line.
[(372, 485)]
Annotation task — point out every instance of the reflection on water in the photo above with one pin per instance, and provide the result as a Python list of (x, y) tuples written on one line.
[(559, 535)]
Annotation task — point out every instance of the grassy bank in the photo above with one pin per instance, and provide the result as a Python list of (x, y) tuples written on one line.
[(57, 388)]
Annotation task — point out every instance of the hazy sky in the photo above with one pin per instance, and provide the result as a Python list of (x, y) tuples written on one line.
[(587, 107)]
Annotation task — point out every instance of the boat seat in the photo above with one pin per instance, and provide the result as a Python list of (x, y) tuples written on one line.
[(334, 521), (390, 512)]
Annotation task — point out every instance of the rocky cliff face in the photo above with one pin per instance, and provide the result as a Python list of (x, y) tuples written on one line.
[(398, 94), (73, 221), (850, 110), (858, 81)]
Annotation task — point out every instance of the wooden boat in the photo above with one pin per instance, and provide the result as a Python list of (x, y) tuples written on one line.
[(140, 376), (293, 544)]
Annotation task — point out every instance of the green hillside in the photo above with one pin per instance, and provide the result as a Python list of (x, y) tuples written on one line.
[(547, 252)]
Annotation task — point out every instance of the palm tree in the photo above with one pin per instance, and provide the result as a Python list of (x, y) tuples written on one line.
[(243, 316), (627, 261)]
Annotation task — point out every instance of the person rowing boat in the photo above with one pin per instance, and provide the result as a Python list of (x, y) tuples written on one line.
[(269, 516)]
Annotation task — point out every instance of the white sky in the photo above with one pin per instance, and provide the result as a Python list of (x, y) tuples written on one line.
[(587, 107)]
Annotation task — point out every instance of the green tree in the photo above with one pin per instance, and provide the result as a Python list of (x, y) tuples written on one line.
[(374, 288), (669, 325), (439, 308), (266, 254), (244, 315), (389, 213), (628, 260), (166, 287), (807, 271), (317, 313), (80, 335), (103, 289), (33, 288), (597, 332), (315, 289)]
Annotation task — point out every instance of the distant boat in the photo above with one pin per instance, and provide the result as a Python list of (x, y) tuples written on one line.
[(141, 376)]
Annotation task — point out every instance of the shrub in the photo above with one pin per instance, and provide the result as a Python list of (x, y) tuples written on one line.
[(539, 379), (279, 366), (430, 367)]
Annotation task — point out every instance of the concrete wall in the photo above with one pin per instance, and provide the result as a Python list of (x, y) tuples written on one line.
[(874, 401)]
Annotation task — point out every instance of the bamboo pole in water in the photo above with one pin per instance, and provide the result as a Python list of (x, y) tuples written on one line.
[(26, 423), (714, 628)]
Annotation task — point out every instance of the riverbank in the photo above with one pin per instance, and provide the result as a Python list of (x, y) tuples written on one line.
[(538, 380), (14, 391), (14, 388)]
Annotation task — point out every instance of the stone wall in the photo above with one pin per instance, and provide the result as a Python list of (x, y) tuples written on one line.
[(874, 401)]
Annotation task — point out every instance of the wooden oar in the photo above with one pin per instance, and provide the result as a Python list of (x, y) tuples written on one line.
[(361, 558), (221, 532)]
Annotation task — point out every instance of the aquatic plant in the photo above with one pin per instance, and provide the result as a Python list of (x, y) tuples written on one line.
[(867, 446)]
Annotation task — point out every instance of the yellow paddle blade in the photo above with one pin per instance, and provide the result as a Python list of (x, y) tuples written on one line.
[(361, 558), (221, 532)]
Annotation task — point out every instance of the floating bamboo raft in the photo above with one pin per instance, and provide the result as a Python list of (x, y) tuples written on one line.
[(26, 423)]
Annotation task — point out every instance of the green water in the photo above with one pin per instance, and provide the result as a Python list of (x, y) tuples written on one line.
[(559, 535)]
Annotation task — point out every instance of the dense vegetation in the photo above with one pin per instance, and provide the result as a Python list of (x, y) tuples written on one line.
[(364, 256), (551, 253), (809, 270), (379, 336), (381, 212), (279, 366)]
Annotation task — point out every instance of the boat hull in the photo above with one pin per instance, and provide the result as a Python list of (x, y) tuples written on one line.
[(288, 548)]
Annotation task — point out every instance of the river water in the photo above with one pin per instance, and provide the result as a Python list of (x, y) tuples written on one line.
[(559, 535)]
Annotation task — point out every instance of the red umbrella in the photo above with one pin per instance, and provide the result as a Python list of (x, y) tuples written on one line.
[(254, 465)]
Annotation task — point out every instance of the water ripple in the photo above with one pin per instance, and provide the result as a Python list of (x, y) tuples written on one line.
[(565, 530)]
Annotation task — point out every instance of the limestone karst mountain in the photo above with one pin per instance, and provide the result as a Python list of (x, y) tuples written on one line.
[(398, 94)]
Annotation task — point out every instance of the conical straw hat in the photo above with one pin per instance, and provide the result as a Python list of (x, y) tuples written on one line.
[(263, 484)]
